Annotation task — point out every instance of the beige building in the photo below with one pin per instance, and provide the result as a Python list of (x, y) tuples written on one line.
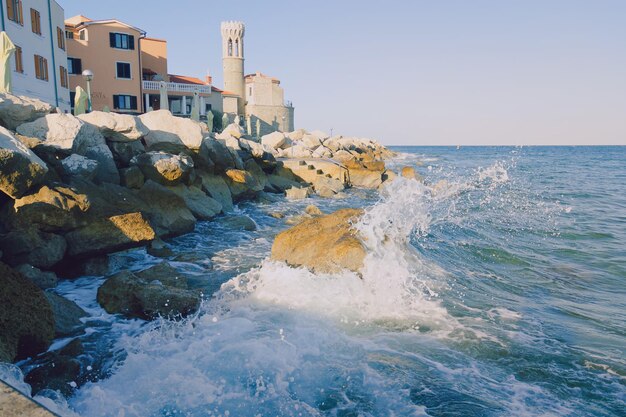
[(110, 49), (180, 88), (256, 96)]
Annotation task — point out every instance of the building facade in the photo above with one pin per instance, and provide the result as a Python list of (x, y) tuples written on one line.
[(256, 96), (110, 49), (180, 88), (39, 64)]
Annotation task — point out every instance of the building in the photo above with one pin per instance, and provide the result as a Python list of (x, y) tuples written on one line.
[(110, 49), (180, 88), (40, 60), (256, 96)]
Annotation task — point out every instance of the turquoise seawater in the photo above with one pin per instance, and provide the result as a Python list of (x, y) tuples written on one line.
[(496, 288)]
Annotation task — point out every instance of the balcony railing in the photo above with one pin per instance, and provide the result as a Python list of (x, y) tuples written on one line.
[(178, 87)]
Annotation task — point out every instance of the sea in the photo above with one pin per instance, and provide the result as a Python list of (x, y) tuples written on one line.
[(495, 287)]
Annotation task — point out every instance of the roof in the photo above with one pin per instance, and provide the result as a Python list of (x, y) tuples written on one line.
[(80, 20), (260, 74), (147, 38), (183, 79)]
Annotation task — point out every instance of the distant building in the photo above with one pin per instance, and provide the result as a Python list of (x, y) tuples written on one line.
[(40, 61), (180, 88), (109, 48), (255, 95)]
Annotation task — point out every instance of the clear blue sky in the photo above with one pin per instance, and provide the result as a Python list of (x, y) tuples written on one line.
[(415, 72)]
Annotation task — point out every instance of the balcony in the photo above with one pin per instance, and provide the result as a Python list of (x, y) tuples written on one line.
[(178, 87)]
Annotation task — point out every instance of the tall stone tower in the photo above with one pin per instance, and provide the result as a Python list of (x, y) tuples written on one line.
[(232, 58)]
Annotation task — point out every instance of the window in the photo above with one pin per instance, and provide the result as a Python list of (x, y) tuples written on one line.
[(82, 34), (69, 34), (19, 65), (14, 11), (72, 98), (230, 47), (63, 74), (41, 68), (121, 41), (123, 70), (124, 102), (74, 66), (35, 21), (60, 38)]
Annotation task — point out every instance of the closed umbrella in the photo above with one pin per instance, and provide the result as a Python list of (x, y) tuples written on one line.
[(164, 105), (81, 101), (195, 107), (8, 49), (209, 120)]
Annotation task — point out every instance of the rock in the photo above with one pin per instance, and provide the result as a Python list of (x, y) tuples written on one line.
[(42, 279), (325, 244), (132, 177), (233, 130), (276, 140), (26, 323), (67, 315), (238, 223), (167, 212), (365, 178), (280, 184), (70, 134), (30, 246), (322, 183), (201, 205), (51, 209), (298, 151), (20, 168), (409, 172), (16, 110), (14, 403), (159, 249), (253, 148), (295, 193), (57, 369), (277, 215), (165, 168), (325, 192), (257, 173), (168, 129), (78, 166), (218, 154), (388, 176), (313, 210), (311, 141), (147, 297), (216, 187), (296, 134), (110, 235), (242, 184), (116, 127), (321, 136), (124, 152), (165, 274)]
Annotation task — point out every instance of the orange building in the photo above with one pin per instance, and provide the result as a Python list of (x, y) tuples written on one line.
[(111, 50)]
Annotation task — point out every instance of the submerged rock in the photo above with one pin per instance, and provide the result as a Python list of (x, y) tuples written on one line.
[(239, 223), (26, 323), (67, 315), (297, 193), (325, 244), (157, 291)]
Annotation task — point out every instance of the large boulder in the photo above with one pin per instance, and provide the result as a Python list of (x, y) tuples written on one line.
[(54, 208), (26, 321), (20, 168), (77, 166), (276, 140), (168, 213), (215, 153), (366, 178), (124, 152), (16, 110), (165, 168), (30, 246), (132, 177), (324, 244), (68, 134), (232, 130), (42, 279), (243, 185), (201, 205), (164, 128), (253, 148), (217, 188), (110, 235), (158, 291), (116, 127)]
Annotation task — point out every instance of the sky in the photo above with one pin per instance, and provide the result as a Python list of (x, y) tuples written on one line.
[(415, 72)]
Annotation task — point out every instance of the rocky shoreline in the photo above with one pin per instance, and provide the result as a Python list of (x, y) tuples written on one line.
[(74, 189)]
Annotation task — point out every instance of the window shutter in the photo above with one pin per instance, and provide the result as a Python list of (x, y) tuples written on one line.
[(133, 102), (115, 101), (119, 70), (131, 42), (112, 39), (78, 66), (10, 10)]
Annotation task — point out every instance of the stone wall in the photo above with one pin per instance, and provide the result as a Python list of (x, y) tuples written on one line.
[(272, 118)]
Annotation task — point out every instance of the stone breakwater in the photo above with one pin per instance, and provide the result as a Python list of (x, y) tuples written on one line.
[(74, 189)]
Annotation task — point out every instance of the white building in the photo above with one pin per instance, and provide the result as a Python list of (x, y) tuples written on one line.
[(37, 29)]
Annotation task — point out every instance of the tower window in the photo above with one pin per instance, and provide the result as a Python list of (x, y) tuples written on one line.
[(230, 47), (237, 47)]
